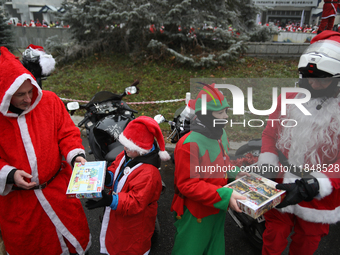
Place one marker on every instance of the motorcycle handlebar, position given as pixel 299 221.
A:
pixel 135 83
pixel 128 109
pixel 83 121
pixel 134 111
pixel 172 123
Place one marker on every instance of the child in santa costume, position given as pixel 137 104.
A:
pixel 130 215
pixel 36 132
pixel 200 201
pixel 312 199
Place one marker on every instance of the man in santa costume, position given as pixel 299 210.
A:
pixel 310 151
pixel 200 201
pixel 36 131
pixel 329 12
pixel 136 184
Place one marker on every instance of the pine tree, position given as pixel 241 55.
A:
pixel 196 32
pixel 6 34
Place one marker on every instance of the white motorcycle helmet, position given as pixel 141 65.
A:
pixel 321 60
pixel 38 62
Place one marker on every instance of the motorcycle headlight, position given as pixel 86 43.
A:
pixel 127 113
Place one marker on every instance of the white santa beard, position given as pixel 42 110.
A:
pixel 313 133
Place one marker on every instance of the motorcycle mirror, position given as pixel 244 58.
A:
pixel 159 118
pixel 72 106
pixel 131 90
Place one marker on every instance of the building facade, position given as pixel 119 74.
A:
pixel 27 10
pixel 285 12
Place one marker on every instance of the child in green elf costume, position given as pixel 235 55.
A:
pixel 202 168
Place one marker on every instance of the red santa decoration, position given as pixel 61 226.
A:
pixel 329 11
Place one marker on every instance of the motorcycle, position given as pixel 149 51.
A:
pixel 180 125
pixel 106 117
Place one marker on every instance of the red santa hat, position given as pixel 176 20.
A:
pixel 139 136
pixel 322 55
pixel 12 75
pixel 46 61
pixel 327 35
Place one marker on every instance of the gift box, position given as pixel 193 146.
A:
pixel 260 192
pixel 87 181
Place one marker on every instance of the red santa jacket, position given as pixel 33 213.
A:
pixel 324 208
pixel 39 221
pixel 129 228
pixel 329 9
pixel 202 168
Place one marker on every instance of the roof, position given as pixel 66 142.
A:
pixel 48 8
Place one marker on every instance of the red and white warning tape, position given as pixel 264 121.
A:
pixel 145 102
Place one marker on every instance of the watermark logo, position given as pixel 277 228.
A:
pixel 238 100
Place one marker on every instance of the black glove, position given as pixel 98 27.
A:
pixel 301 190
pixel 106 200
pixel 107 178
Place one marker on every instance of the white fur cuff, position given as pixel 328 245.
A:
pixel 131 145
pixel 268 158
pixel 164 155
pixel 325 185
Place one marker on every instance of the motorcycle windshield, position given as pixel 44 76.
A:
pixel 179 111
pixel 103 96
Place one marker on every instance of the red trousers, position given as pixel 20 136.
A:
pixel 326 24
pixel 305 239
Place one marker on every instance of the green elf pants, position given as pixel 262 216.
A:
pixel 193 238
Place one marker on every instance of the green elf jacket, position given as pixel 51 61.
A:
pixel 202 168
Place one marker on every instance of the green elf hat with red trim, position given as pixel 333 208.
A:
pixel 215 99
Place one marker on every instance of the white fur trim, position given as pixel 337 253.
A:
pixel 325 185
pixel 4 187
pixel 59 225
pixel 46 61
pixel 103 230
pixel 290 178
pixel 11 91
pixel 29 148
pixel 314 215
pixel 47 64
pixel 268 158
pixel 131 145
pixel 74 153
pixel 164 155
